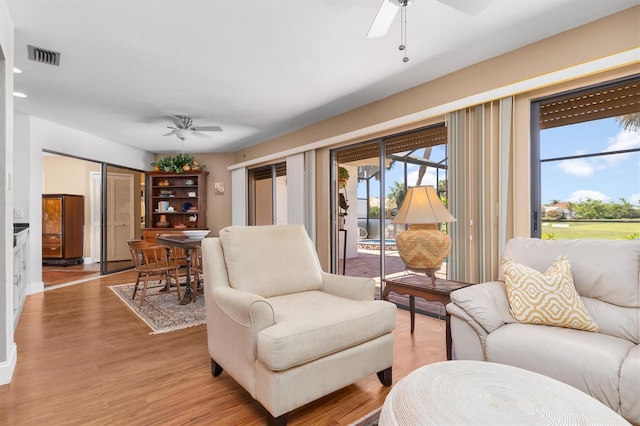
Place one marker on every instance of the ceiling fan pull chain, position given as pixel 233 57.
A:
pixel 403 30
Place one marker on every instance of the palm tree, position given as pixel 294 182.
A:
pixel 630 122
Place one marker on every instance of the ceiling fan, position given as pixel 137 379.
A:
pixel 184 127
pixel 389 9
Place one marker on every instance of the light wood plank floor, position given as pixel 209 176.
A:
pixel 85 359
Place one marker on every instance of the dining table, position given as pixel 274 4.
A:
pixel 187 244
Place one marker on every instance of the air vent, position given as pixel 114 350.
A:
pixel 43 55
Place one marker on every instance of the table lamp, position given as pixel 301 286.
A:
pixel 423 247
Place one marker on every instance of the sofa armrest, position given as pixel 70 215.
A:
pixel 484 305
pixel 355 288
pixel 246 309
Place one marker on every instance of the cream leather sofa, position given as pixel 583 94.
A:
pixel 286 331
pixel 605 365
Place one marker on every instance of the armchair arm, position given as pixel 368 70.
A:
pixel 246 309
pixel 355 288
pixel 483 306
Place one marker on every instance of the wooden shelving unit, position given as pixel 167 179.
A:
pixel 176 197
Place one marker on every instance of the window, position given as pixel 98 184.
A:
pixel 586 163
pixel 268 195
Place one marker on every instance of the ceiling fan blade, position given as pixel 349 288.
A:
pixel 177 121
pixel 208 128
pixel 383 19
pixel 173 132
pixel 201 135
pixel 471 8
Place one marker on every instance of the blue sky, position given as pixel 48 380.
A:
pixel 603 178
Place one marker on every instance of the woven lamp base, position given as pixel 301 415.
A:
pixel 423 247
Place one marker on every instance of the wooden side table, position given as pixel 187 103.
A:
pixel 416 285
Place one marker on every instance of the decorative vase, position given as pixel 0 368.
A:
pixel 163 222
pixel 424 247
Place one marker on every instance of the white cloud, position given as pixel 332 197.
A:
pixel 622 141
pixel 634 199
pixel 583 194
pixel 428 179
pixel 578 167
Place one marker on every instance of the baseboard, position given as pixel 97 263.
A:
pixel 88 260
pixel 6 368
pixel 37 287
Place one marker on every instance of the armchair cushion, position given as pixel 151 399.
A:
pixel 546 299
pixel 313 324
pixel 283 260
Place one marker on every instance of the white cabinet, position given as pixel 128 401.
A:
pixel 20 279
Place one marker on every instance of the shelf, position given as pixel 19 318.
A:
pixel 159 197
pixel 175 186
pixel 176 193
pixel 191 212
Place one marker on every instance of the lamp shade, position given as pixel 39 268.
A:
pixel 422 205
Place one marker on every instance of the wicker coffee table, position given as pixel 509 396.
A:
pixel 478 392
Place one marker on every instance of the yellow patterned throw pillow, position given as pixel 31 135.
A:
pixel 547 299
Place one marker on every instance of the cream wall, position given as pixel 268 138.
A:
pixel 22 171
pixel 526 72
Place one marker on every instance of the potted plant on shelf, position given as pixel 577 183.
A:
pixel 178 164
pixel 343 177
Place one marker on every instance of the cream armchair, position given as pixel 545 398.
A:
pixel 286 331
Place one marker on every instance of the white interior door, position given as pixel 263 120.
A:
pixel 120 215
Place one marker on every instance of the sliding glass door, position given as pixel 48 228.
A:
pixel 370 180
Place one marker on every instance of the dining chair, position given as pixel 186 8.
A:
pixel 196 269
pixel 153 261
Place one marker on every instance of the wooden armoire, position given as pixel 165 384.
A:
pixel 62 229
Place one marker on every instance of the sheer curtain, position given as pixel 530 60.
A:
pixel 480 189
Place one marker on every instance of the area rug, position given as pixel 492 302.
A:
pixel 53 277
pixel 370 419
pixel 161 311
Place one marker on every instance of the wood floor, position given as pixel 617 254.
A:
pixel 85 359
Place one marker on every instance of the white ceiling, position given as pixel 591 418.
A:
pixel 258 68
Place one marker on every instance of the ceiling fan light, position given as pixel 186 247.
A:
pixel 182 133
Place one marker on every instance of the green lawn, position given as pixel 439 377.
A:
pixel 597 230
